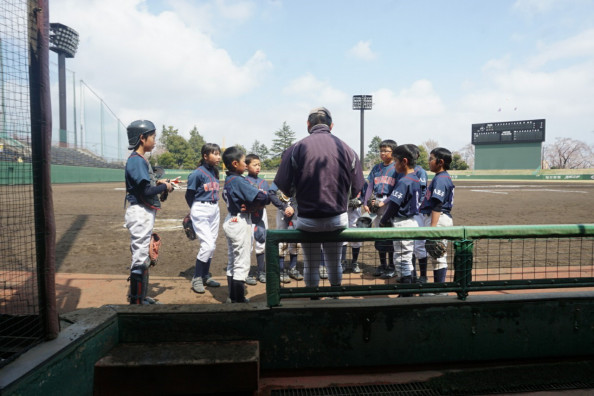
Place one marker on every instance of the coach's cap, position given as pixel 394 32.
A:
pixel 322 111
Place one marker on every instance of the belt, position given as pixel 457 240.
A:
pixel 381 195
pixel 207 202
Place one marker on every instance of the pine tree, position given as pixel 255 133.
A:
pixel 285 137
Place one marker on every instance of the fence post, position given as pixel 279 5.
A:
pixel 272 271
pixel 463 266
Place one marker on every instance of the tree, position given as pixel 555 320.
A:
pixel 423 160
pixel 260 150
pixel 196 142
pixel 567 153
pixel 183 155
pixel 166 133
pixel 285 137
pixel 430 144
pixel 167 161
pixel 467 153
pixel 373 155
pixel 457 162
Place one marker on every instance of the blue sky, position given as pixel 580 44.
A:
pixel 238 69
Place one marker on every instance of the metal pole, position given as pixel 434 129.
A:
pixel 62 95
pixel 74 107
pixel 101 127
pixel 362 158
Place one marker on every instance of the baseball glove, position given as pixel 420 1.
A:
pixel 154 247
pixel 189 227
pixel 435 249
pixel 363 222
pixel 355 203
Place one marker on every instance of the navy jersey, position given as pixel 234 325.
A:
pixel 382 179
pixel 238 191
pixel 406 195
pixel 260 184
pixel 138 175
pixel 422 175
pixel 203 184
pixel 442 189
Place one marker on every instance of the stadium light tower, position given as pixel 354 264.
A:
pixel 362 102
pixel 63 41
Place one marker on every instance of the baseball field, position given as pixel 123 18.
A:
pixel 91 238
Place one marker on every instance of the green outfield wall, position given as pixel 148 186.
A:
pixel 20 173
pixel 507 156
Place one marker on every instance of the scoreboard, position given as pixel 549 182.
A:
pixel 529 131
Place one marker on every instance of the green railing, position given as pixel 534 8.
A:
pixel 482 258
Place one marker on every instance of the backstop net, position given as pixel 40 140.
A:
pixel 21 313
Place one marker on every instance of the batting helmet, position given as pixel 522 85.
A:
pixel 363 222
pixel 136 130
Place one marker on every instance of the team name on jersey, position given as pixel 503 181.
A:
pixel 211 186
pixel 441 193
pixel 384 180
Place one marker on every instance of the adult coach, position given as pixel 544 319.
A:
pixel 323 172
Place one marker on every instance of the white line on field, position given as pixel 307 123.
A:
pixel 491 191
pixel 502 191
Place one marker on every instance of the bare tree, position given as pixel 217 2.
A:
pixel 567 153
pixel 467 153
pixel 430 144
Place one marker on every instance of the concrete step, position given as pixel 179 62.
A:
pixel 179 368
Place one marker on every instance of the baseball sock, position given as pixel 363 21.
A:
pixel 199 270
pixel 382 257
pixel 281 264
pixel 423 266
pixel 391 260
pixel 355 252
pixel 238 291
pixel 261 263
pixel 135 288
pixel 439 276
pixel 293 261
pixel 230 287
pixel 206 269
pixel 343 253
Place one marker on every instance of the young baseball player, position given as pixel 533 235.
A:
pixel 286 217
pixel 381 182
pixel 419 253
pixel 437 204
pixel 242 200
pixel 142 195
pixel 202 196
pixel 253 167
pixel 354 212
pixel 401 209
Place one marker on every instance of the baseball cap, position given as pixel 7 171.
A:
pixel 321 110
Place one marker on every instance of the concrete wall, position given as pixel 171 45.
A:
pixel 326 334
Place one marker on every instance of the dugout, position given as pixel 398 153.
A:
pixel 508 145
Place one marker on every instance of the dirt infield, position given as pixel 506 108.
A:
pixel 91 238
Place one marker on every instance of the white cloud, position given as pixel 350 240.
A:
pixel 236 10
pixel 578 46
pixel 310 88
pixel 362 50
pixel 156 56
pixel 419 100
